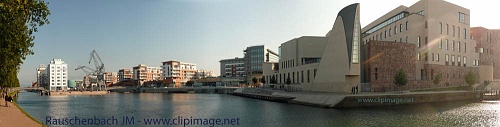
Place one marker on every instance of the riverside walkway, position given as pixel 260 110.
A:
pixel 14 117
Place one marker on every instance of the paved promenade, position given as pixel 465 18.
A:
pixel 13 117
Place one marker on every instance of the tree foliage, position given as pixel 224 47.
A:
pixel 288 80
pixel 400 78
pixel 254 80
pixel 273 80
pixel 470 78
pixel 19 19
pixel 437 79
pixel 263 79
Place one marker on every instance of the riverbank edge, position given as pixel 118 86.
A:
pixel 24 112
pixel 338 100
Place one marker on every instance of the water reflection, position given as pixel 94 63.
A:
pixel 254 112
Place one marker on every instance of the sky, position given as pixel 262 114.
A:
pixel 126 33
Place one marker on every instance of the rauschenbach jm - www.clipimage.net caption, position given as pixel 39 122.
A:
pixel 131 120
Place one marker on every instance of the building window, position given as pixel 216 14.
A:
pixel 308 75
pixel 390 29
pixel 440 28
pixel 432 56
pixel 461 17
pixel 458 61
pixel 453 30
pixel 395 30
pixel 385 34
pixel 465 61
pixel 440 45
pixel 376 73
pixel 422 72
pixel 425 41
pixel 400 27
pixel 437 57
pixel 452 60
pixel 315 72
pixel 418 41
pixel 452 45
pixel 401 40
pixel 465 33
pixel 446 59
pixel 481 50
pixel 302 76
pixel 458 46
pixel 425 56
pixel 465 47
pixel 447 32
pixel 407 23
pixel 458 32
pixel 446 44
pixel 418 56
pixel 355 50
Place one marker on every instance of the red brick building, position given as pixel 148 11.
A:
pixel 384 59
pixel 488 44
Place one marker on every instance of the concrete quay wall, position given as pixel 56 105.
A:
pixel 78 93
pixel 374 100
pixel 340 100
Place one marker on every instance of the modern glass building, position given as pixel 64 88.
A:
pixel 256 55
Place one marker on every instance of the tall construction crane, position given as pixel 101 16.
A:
pixel 84 69
pixel 99 69
pixel 89 72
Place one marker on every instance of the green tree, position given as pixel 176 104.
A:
pixel 189 83
pixel 400 78
pixel 263 80
pixel 273 80
pixel 288 80
pixel 437 79
pixel 470 78
pixel 19 19
pixel 254 80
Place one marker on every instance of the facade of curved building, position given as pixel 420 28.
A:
pixel 323 64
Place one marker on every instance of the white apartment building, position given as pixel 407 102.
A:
pixel 56 75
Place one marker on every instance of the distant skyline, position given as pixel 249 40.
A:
pixel 127 33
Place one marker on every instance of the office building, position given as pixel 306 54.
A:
pixel 55 76
pixel 110 78
pixel 143 73
pixel 254 57
pixel 39 71
pixel 488 43
pixel 125 74
pixel 322 64
pixel 178 73
pixel 440 32
pixel 233 69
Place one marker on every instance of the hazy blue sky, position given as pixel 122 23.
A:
pixel 126 33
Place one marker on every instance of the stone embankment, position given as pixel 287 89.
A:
pixel 342 100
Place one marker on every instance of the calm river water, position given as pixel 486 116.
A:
pixel 252 112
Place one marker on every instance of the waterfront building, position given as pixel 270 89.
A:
pixel 204 74
pixel 55 75
pixel 110 78
pixel 233 69
pixel 322 64
pixel 178 73
pixel 254 57
pixel 143 73
pixel 125 74
pixel 488 43
pixel 39 71
pixel 440 32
